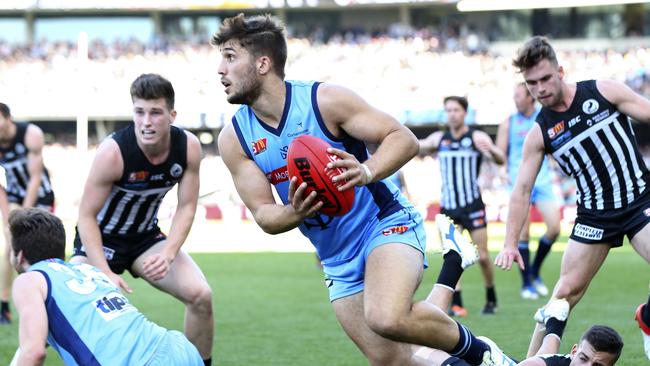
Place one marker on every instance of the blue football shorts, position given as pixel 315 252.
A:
pixel 542 193
pixel 346 277
pixel 175 350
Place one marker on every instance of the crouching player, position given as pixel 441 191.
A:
pixel 76 309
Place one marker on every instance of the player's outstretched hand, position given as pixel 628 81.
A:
pixel 156 266
pixel 119 282
pixel 303 206
pixel 355 174
pixel 508 255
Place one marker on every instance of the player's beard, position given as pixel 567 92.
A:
pixel 550 102
pixel 250 90
pixel 556 97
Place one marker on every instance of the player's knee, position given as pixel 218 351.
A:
pixel 484 260
pixel 200 297
pixel 386 325
pixel 552 232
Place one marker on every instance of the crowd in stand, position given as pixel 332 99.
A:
pixel 407 73
pixel 407 76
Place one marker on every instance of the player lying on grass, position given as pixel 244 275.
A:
pixel 76 309
pixel 600 345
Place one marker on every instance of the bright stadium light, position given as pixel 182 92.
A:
pixel 488 5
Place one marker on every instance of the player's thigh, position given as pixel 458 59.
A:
pixel 473 219
pixel 393 273
pixel 580 264
pixel 78 259
pixel 641 242
pixel 379 350
pixel 184 280
pixel 175 350
pixel 550 211
pixel 480 238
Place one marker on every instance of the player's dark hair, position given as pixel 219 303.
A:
pixel 460 100
pixel 534 51
pixel 153 86
pixel 5 111
pixel 604 339
pixel 260 35
pixel 38 233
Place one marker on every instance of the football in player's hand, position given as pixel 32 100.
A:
pixel 307 160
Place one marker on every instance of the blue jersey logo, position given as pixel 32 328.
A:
pixel 112 305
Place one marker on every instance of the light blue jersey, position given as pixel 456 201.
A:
pixel 396 179
pixel 267 146
pixel 91 323
pixel 337 239
pixel 519 127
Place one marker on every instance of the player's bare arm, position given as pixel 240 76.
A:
pixel 532 157
pixel 4 205
pixel 625 99
pixel 255 190
pixel 550 346
pixel 105 170
pixel 29 292
pixel 34 142
pixel 533 361
pixel 345 112
pixel 502 142
pixel 485 145
pixel 502 135
pixel 431 143
pixel 157 266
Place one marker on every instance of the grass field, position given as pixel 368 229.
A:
pixel 272 309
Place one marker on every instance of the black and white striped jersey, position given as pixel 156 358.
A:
pixel 460 162
pixel 132 205
pixel 593 142
pixel 556 360
pixel 14 159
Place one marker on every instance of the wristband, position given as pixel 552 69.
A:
pixel 368 173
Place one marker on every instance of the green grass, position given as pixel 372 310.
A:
pixel 273 309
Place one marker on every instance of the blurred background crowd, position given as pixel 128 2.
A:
pixel 408 76
pixel 59 64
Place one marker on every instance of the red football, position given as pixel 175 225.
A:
pixel 307 160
